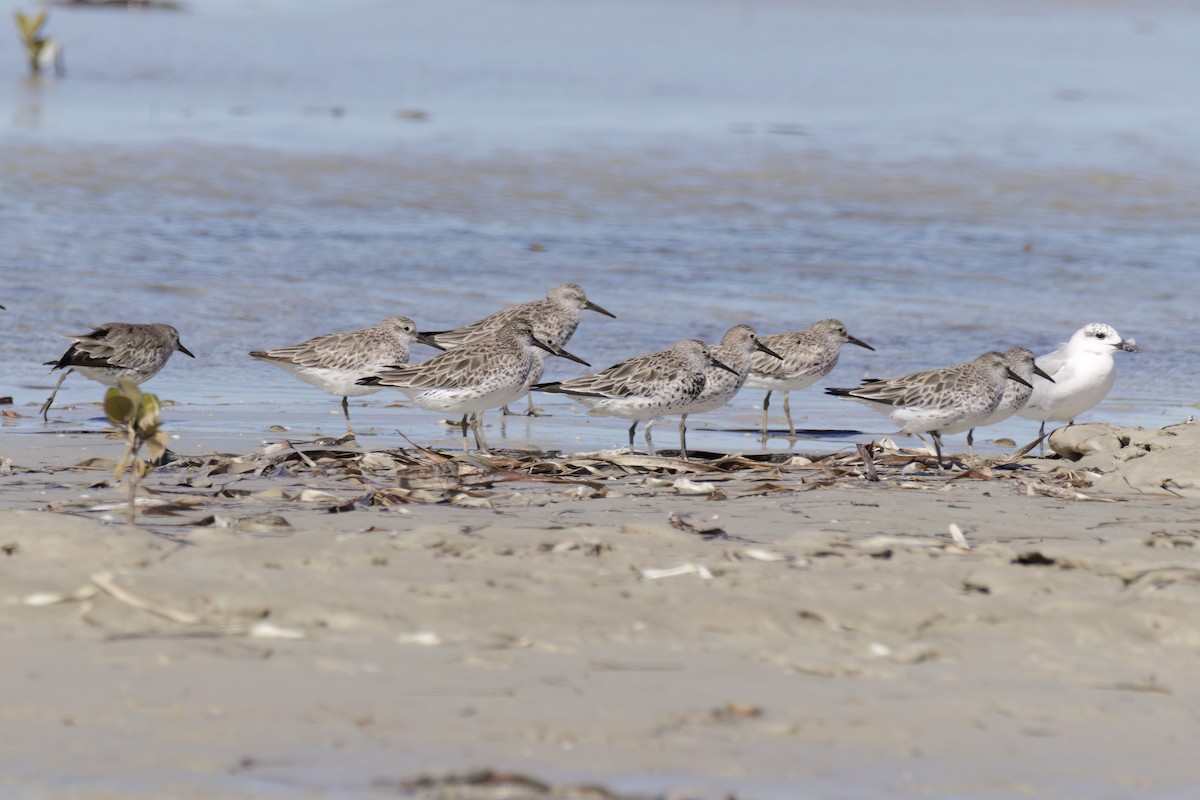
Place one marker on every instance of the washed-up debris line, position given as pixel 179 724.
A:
pixel 335 476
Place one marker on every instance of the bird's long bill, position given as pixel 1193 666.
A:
pixel 559 352
pixel 427 338
pixel 858 342
pixel 728 368
pixel 598 309
pixel 1041 373
pixel 760 346
pixel 1129 346
pixel 179 346
pixel 1012 376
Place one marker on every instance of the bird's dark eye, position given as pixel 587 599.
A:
pixel 1100 335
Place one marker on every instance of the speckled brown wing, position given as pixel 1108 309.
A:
pixel 450 370
pixel 803 354
pixel 932 388
pixel 487 326
pixel 628 378
pixel 341 351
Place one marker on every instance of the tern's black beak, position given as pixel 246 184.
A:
pixel 427 339
pixel 558 352
pixel 728 368
pixel 1012 376
pixel 760 346
pixel 179 346
pixel 1129 346
pixel 1041 373
pixel 598 309
pixel 858 342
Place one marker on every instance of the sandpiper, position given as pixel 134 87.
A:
pixel 334 361
pixel 938 401
pixel 117 350
pixel 644 387
pixel 805 357
pixel 473 377
pixel 1015 394
pixel 736 350
pixel 554 319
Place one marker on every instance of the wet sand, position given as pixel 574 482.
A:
pixel 825 636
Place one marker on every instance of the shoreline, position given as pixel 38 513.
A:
pixel 598 618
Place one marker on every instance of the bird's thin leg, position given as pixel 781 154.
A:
pixel 766 405
pixel 649 441
pixel 477 427
pixel 632 428
pixel 504 412
pixel 683 437
pixel 787 409
pixel 346 413
pixel 971 446
pixel 937 446
pixel 1042 437
pixel 46 405
pixel 463 425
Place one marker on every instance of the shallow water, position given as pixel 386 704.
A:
pixel 946 179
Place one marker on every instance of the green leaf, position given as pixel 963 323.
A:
pixel 29 26
pixel 118 407
pixel 148 416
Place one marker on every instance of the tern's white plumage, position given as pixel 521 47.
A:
pixel 1083 373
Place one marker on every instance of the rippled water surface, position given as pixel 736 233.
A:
pixel 946 178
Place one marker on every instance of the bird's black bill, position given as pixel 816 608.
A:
pixel 1041 373
pixel 179 346
pixel 726 367
pixel 1012 376
pixel 557 388
pixel 427 339
pixel 1129 346
pixel 760 346
pixel 598 309
pixel 559 352
pixel 858 342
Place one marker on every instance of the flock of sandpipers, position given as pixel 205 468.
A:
pixel 495 361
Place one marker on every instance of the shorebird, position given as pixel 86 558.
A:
pixel 334 361
pixel 644 387
pixel 1083 372
pixel 736 350
pixel 805 357
pixel 117 350
pixel 1014 395
pixel 554 322
pixel 938 401
pixel 473 377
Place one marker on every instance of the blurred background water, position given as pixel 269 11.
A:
pixel 945 177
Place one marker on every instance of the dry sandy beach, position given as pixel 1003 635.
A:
pixel 730 628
